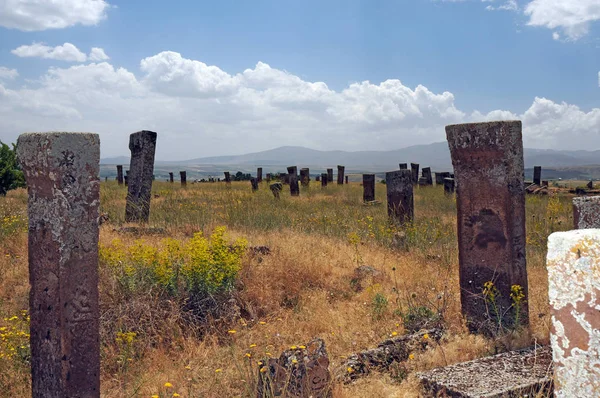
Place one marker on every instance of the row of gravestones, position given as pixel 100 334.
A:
pixel 62 171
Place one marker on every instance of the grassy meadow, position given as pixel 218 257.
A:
pixel 188 314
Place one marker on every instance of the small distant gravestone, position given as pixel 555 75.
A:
pixel 61 170
pixel 171 179
pixel 293 178
pixel 545 183
pixel 304 177
pixel 318 178
pixel 324 180
pixel 254 184
pixel 227 177
pixel 414 167
pixel 269 178
pixel 400 195
pixel 183 177
pixel 120 174
pixel 276 189
pixel 142 146
pixel 259 174
pixel 126 178
pixel 105 179
pixel 346 177
pixel 590 184
pixel 284 178
pixel 448 186
pixel 329 175
pixel 586 212
pixel 427 175
pixel 404 166
pixel 340 175
pixel 368 187
pixel 537 175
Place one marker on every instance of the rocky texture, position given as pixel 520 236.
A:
pixel 368 187
pixel 586 212
pixel 340 175
pixel 293 180
pixel 414 167
pixel 141 168
pixel 62 170
pixel 300 372
pixel 400 203
pixel 490 198
pixel 120 174
pixel 523 373
pixel 573 264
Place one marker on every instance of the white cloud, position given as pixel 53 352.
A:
pixel 66 52
pixel 34 15
pixel 573 17
pixel 556 35
pixel 201 110
pixel 509 5
pixel 8 74
pixel 98 54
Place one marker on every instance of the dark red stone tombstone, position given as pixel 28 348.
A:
pixel 142 146
pixel 427 175
pixel 329 175
pixel 120 174
pixel 490 198
pixel 404 166
pixel 293 179
pixel 171 179
pixel 183 178
pixel 62 171
pixel 324 179
pixel 259 174
pixel 227 177
pixel 304 177
pixel 400 196
pixel 537 175
pixel 340 176
pixel 368 187
pixel 414 167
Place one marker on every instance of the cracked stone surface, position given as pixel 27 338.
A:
pixel 586 212
pixel 142 146
pixel 400 195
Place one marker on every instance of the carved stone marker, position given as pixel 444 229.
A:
pixel 427 175
pixel 324 179
pixel 330 175
pixel 590 184
pixel 142 146
pixel 545 183
pixel 293 179
pixel 254 183
pixel 183 177
pixel 276 189
pixel 490 199
pixel 404 166
pixel 304 177
pixel 269 177
pixel 62 170
pixel 368 187
pixel 573 262
pixel 340 176
pixel 448 186
pixel 227 177
pixel 346 177
pixel 586 212
pixel 120 174
pixel 126 178
pixel 318 178
pixel 259 174
pixel 414 167
pixel 171 179
pixel 400 195
pixel 537 175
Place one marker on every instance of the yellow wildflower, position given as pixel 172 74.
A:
pixel 176 395
pixel 252 345
pixel 218 370
pixel 350 370
pixel 411 356
pixel 394 334
pixel 168 385
pixel 425 336
pixel 231 331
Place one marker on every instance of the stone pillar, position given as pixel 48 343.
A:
pixel 404 166
pixel 573 262
pixel 318 178
pixel 293 179
pixel 142 146
pixel 171 179
pixel 490 199
pixel 62 171
pixel 427 176
pixel 414 167
pixel 346 177
pixel 586 212
pixel 284 178
pixel 259 174
pixel 120 174
pixel 400 196
pixel 227 177
pixel 537 175
pixel 254 183
pixel 340 176
pixel 448 186
pixel 368 187
pixel 329 175
pixel 268 177
pixel 183 178
pixel 126 178
pixel 304 177
pixel 324 179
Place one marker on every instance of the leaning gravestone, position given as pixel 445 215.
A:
pixel 293 179
pixel 276 189
pixel 340 175
pixel 414 167
pixel 120 174
pixel 490 198
pixel 586 212
pixel 142 146
pixel 368 187
pixel 183 177
pixel 573 264
pixel 400 196
pixel 427 176
pixel 61 170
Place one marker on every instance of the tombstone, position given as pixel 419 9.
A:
pixel 304 177
pixel 293 179
pixel 126 178
pixel 573 286
pixel 259 174
pixel 340 176
pixel 61 170
pixel 544 183
pixel 427 176
pixel 404 166
pixel 448 186
pixel 414 167
pixel 439 177
pixel 268 178
pixel 254 183
pixel 276 189
pixel 537 175
pixel 346 177
pixel 329 175
pixel 142 146
pixel 368 187
pixel 105 179
pixel 227 177
pixel 171 177
pixel 590 184
pixel 318 178
pixel 120 174
pixel 423 181
pixel 324 179
pixel 400 196
pixel 586 212
pixel 284 178
pixel 183 178
pixel 490 199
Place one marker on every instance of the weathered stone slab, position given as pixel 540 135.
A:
pixel 523 373
pixel 324 179
pixel 183 177
pixel 346 177
pixel 304 177
pixel 293 179
pixel 120 174
pixel 259 174
pixel 254 184
pixel 62 171
pixel 227 177
pixel 126 177
pixel 537 175
pixel 340 175
pixel 368 187
pixel 141 168
pixel 171 177
pixel 404 166
pixel 449 186
pixel 318 178
pixel 490 197
pixel 573 264
pixel 414 167
pixel 276 189
pixel 586 212
pixel 427 175
pixel 329 175
pixel 400 196
pixel 269 178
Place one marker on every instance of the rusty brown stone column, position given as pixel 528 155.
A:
pixel 227 177
pixel 329 175
pixel 171 179
pixel 490 199
pixel 304 177
pixel 62 171
pixel 537 175
pixel 142 146
pixel 120 174
pixel 183 177
pixel 368 187
pixel 427 176
pixel 404 166
pixel 293 180
pixel 414 167
pixel 324 179
pixel 586 212
pixel 340 175
pixel 400 196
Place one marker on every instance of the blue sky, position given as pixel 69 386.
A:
pixel 534 60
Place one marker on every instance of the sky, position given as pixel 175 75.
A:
pixel 232 77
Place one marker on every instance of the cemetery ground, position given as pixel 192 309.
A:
pixel 285 274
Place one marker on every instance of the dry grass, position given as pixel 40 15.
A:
pixel 302 290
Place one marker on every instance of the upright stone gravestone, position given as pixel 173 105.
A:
pixel 414 167
pixel 427 175
pixel 400 195
pixel 254 183
pixel 142 146
pixel 183 178
pixel 573 262
pixel 404 166
pixel 62 171
pixel 126 178
pixel 537 175
pixel 329 175
pixel 268 178
pixel 488 168
pixel 259 174
pixel 324 180
pixel 346 177
pixel 171 179
pixel 448 186
pixel 304 177
pixel 586 212
pixel 120 174
pixel 227 177
pixel 368 187
pixel 318 178
pixel 293 178
pixel 340 176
